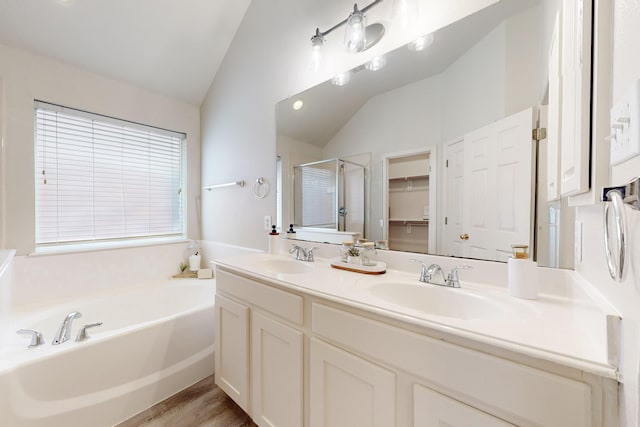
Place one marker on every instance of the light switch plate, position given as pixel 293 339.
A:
pixel 625 126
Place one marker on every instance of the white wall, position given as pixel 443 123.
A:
pixel 475 99
pixel 2 193
pixel 268 61
pixel 27 77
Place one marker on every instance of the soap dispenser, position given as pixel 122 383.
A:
pixel 522 274
pixel 274 241
pixel 291 233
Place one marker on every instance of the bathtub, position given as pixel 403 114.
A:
pixel 154 342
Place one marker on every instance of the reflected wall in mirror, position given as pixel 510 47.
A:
pixel 457 103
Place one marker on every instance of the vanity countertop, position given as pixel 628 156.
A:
pixel 571 332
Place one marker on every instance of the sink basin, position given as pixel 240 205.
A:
pixel 439 301
pixel 284 266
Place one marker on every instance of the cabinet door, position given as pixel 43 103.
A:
pixel 432 409
pixel 346 390
pixel 576 96
pixel 232 350
pixel 277 373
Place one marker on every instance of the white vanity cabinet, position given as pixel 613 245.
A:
pixel 259 351
pixel 292 358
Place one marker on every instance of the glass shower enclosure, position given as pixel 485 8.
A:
pixel 330 195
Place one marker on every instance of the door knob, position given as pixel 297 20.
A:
pixel 464 236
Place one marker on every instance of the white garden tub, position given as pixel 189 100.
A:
pixel 154 342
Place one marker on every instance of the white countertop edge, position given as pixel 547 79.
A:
pixel 600 369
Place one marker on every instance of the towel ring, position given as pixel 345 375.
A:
pixel 615 264
pixel 261 188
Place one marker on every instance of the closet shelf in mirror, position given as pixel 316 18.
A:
pixel 407 178
pixel 409 221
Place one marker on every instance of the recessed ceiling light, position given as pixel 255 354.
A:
pixel 298 104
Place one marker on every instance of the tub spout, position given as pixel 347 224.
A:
pixel 64 332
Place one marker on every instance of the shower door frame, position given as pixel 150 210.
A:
pixel 338 162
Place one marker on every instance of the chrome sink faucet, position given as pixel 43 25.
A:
pixel 452 278
pixel 427 274
pixel 64 332
pixel 302 254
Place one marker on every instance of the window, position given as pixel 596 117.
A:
pixel 100 179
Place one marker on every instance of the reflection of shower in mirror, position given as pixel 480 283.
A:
pixel 329 194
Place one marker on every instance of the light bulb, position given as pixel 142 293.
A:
pixel 376 63
pixel 342 79
pixel 317 41
pixel 405 12
pixel 354 36
pixel 316 59
pixel 421 43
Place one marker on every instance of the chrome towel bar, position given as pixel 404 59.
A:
pixel 228 184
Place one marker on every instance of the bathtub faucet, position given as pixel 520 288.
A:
pixel 64 332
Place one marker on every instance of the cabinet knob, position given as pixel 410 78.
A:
pixel 464 236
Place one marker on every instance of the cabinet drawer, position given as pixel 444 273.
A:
pixel 496 385
pixel 286 305
pixel 432 409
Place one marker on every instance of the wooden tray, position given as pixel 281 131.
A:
pixel 186 275
pixel 379 268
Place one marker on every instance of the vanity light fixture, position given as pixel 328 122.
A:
pixel 358 36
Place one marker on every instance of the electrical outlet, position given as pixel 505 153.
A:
pixel 267 222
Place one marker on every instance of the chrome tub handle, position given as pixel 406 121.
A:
pixel 82 334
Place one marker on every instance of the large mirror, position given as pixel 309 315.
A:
pixel 434 130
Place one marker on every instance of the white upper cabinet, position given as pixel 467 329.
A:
pixel 554 125
pixel 576 97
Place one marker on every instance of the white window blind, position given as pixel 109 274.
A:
pixel 99 178
pixel 315 190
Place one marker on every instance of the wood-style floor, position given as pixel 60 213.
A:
pixel 201 405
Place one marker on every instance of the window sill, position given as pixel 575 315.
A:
pixel 103 246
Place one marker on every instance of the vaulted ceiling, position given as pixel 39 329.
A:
pixel 169 47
